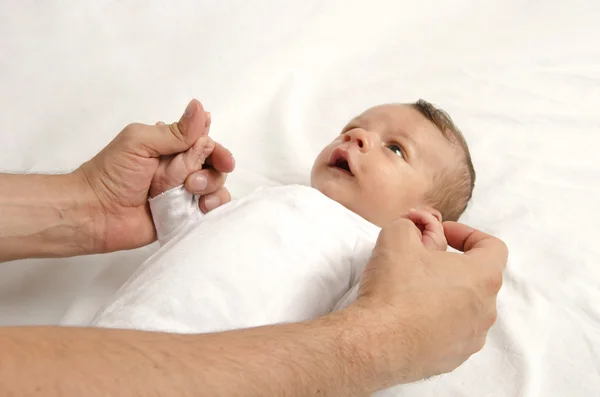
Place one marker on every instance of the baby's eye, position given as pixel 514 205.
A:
pixel 396 149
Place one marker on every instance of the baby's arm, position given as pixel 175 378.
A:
pixel 432 236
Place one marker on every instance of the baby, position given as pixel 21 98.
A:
pixel 292 253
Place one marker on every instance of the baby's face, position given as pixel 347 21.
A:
pixel 384 163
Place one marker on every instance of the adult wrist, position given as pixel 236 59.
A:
pixel 85 214
pixel 48 216
pixel 377 340
pixel 371 348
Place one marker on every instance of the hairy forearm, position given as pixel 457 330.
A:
pixel 45 216
pixel 315 358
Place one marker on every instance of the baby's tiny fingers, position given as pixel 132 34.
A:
pixel 433 232
pixel 418 217
pixel 426 220
pixel 196 156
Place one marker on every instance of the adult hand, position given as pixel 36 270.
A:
pixel 120 176
pixel 432 309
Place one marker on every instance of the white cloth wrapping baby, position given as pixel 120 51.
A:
pixel 280 254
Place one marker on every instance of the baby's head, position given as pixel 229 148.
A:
pixel 395 157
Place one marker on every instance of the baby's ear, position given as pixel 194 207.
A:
pixel 432 211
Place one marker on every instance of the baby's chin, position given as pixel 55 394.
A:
pixel 336 192
pixel 346 197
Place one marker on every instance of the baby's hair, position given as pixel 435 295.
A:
pixel 453 189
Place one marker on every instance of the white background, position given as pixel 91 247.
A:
pixel 521 79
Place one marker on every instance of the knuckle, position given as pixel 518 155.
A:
pixel 503 248
pixel 479 344
pixel 133 127
pixel 493 283
pixel 174 129
pixel 133 131
pixel 491 320
pixel 486 322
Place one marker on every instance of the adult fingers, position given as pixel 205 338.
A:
pixel 221 159
pixel 458 235
pixel 211 201
pixel 399 236
pixel 205 181
pixel 480 246
pixel 165 139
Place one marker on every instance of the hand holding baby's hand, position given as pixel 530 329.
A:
pixel 432 231
pixel 173 170
pixel 198 168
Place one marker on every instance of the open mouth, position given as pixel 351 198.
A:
pixel 339 160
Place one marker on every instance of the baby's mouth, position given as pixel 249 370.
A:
pixel 339 160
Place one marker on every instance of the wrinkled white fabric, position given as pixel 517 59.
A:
pixel 280 254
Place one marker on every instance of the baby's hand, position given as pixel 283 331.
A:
pixel 173 170
pixel 432 231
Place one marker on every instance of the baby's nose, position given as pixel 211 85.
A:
pixel 359 137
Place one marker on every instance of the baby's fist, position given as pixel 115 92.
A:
pixel 432 231
pixel 174 170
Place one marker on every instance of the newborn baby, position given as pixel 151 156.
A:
pixel 292 253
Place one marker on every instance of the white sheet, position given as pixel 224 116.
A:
pixel 522 79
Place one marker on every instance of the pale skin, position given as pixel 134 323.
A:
pixel 394 155
pixel 105 210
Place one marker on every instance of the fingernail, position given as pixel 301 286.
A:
pixel 198 183
pixel 190 109
pixel 211 202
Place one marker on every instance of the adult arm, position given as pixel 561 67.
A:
pixel 395 332
pixel 47 216
pixel 325 357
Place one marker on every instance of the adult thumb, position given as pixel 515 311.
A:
pixel 482 247
pixel 166 139
pixel 400 235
